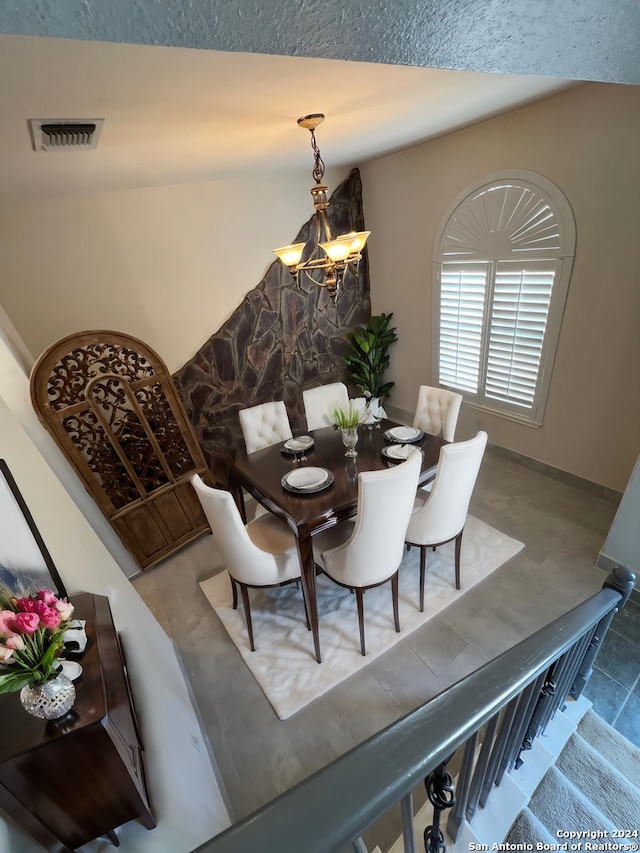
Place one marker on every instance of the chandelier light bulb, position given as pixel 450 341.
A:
pixel 338 252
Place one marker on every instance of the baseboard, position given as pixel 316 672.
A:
pixel 596 489
pixel 203 732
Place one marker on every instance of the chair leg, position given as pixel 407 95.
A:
pixel 306 612
pixel 234 590
pixel 244 592
pixel 394 597
pixel 458 549
pixel 360 602
pixel 423 571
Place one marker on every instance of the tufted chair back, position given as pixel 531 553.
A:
pixel 437 411
pixel 320 402
pixel 264 425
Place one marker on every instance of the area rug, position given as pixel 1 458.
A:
pixel 284 664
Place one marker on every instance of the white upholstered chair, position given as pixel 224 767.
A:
pixel 264 425
pixel 439 515
pixel 320 402
pixel 437 411
pixel 261 553
pixel 367 552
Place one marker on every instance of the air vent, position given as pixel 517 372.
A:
pixel 64 134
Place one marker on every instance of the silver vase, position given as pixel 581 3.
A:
pixel 49 700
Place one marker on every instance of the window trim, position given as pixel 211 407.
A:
pixel 564 257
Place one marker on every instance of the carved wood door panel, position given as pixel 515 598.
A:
pixel 109 402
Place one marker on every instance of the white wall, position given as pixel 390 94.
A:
pixel 165 264
pixel 185 797
pixel 586 141
pixel 622 545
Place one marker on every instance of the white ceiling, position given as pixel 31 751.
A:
pixel 177 115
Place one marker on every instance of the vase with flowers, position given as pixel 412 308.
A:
pixel 31 642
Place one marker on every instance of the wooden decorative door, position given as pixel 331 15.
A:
pixel 109 402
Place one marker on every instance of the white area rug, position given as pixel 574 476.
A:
pixel 284 664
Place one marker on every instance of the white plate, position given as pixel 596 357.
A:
pixel 306 478
pixel 298 444
pixel 318 481
pixel 71 669
pixel 403 433
pixel 399 452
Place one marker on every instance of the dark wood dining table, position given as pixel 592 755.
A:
pixel 260 474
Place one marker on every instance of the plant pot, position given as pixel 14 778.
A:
pixel 373 413
pixel 49 700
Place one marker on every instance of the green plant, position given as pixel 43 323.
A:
pixel 368 355
pixel 346 418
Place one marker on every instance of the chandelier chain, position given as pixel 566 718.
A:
pixel 318 166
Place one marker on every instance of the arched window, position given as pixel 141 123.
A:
pixel 503 258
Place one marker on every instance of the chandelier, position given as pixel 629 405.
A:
pixel 330 256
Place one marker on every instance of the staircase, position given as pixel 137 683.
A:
pixel 594 786
pixel 580 776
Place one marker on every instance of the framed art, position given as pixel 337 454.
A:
pixel 25 563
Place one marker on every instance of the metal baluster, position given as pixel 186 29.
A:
pixel 623 580
pixel 545 705
pixel 585 665
pixel 521 743
pixel 528 698
pixel 544 699
pixel 556 675
pixel 408 829
pixel 481 768
pixel 577 653
pixel 359 846
pixel 439 785
pixel 456 815
pixel 508 716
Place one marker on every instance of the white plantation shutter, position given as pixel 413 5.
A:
pixel 463 290
pixel 521 300
pixel 503 262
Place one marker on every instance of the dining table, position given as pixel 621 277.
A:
pixel 306 513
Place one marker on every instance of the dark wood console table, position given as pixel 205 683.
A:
pixel 68 781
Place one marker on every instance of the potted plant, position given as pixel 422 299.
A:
pixel 368 358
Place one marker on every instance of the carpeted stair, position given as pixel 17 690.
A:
pixel 593 785
pixel 580 775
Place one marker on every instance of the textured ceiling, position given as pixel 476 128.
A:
pixel 579 39
pixel 387 75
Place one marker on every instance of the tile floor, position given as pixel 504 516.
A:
pixel 614 687
pixel 258 755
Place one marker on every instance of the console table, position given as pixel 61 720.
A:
pixel 68 781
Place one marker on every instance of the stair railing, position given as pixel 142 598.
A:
pixel 509 701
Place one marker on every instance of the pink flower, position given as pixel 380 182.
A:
pixel 64 608
pixel 48 597
pixel 49 617
pixel 26 605
pixel 5 653
pixel 15 641
pixel 27 623
pixel 7 621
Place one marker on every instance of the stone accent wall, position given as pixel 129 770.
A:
pixel 277 342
